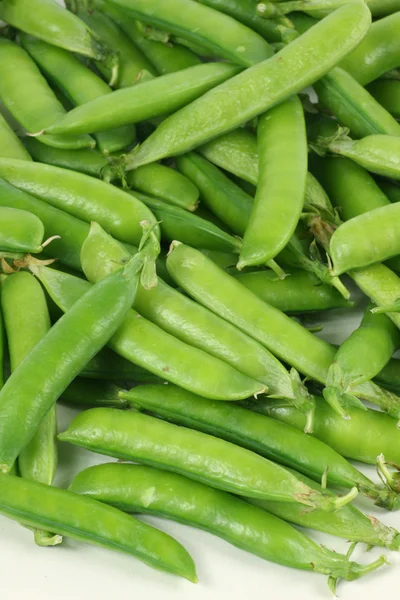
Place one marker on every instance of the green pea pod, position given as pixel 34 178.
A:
pixel 137 488
pixel 273 440
pixel 24 80
pixel 166 184
pixel 354 106
pixel 230 105
pixel 86 160
pixel 320 8
pixel 158 97
pixel 20 231
pixel 109 366
pixel 86 520
pixel 132 63
pixel 90 393
pixel 197 455
pixel 280 196
pixel 299 292
pixel 378 52
pixel 176 222
pixel 216 32
pixel 28 394
pixel 10 145
pixel 389 377
pixel 387 93
pixel 190 322
pixel 82 196
pixel 149 347
pixel 79 84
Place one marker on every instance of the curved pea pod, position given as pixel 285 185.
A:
pixel 29 394
pixel 149 347
pixel 79 84
pixel 176 222
pixel 10 144
pixel 86 160
pixel 166 184
pixel 84 519
pixel 280 195
pixel 131 435
pixel 190 322
pixel 24 80
pixel 300 292
pixel 82 196
pixel 387 93
pixel 90 393
pixel 158 97
pixel 265 436
pixel 20 231
pixel 354 106
pixel 378 52
pixel 230 105
pixel 216 32
pixel 136 488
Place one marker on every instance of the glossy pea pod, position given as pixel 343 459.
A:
pixel 109 366
pixel 192 323
pixel 158 97
pixel 280 194
pixel 79 84
pixel 361 357
pixel 26 321
pixel 90 393
pixel 166 184
pixel 82 196
pixel 85 520
pixel 10 144
pixel 320 8
pixel 131 435
pixel 216 32
pixel 137 488
pixel 276 441
pixel 20 231
pixel 20 79
pixel 387 93
pixel 231 104
pixel 151 348
pixel 30 393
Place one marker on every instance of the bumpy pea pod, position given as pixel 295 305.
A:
pixel 110 366
pixel 20 231
pixel 231 105
pixel 27 320
pixel 137 488
pixel 90 393
pixel 158 97
pixel 276 441
pixel 360 358
pixel 193 324
pixel 82 196
pixel 85 520
pixel 131 435
pixel 166 184
pixel 86 160
pixel 10 145
pixel 151 348
pixel 79 84
pixel 20 79
pixel 29 394
pixel 216 32
pixel 387 93
pixel 279 197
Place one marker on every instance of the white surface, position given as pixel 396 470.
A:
pixel 75 570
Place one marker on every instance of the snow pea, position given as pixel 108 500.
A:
pixel 131 435
pixel 218 33
pixel 26 322
pixel 387 93
pixel 149 347
pixel 79 84
pixel 20 79
pixel 86 160
pixel 20 231
pixel 166 184
pixel 154 98
pixel 110 366
pixel 10 144
pixel 91 393
pixel 29 393
pixel 274 440
pixel 279 199
pixel 137 488
pixel 230 105
pixel 82 196
pixel 86 520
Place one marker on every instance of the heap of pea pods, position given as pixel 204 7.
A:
pixel 175 215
